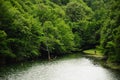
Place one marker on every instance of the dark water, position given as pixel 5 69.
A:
pixel 62 69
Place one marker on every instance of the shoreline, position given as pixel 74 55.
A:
pixel 102 59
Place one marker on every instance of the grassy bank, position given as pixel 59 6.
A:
pixel 94 52
pixel 97 54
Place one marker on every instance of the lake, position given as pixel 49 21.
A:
pixel 75 68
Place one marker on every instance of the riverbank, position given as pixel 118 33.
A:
pixel 97 55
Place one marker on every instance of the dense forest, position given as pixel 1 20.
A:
pixel 42 28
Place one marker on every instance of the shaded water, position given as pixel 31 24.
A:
pixel 62 69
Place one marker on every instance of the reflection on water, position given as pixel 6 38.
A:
pixel 69 69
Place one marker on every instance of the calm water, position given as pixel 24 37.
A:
pixel 62 69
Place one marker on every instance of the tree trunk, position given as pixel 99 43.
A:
pixel 48 53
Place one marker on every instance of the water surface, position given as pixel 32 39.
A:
pixel 62 69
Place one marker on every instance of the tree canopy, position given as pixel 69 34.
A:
pixel 31 28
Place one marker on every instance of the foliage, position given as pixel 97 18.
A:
pixel 28 28
pixel 110 34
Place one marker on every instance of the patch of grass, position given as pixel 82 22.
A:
pixel 94 52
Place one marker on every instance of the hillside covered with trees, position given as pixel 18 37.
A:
pixel 42 28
